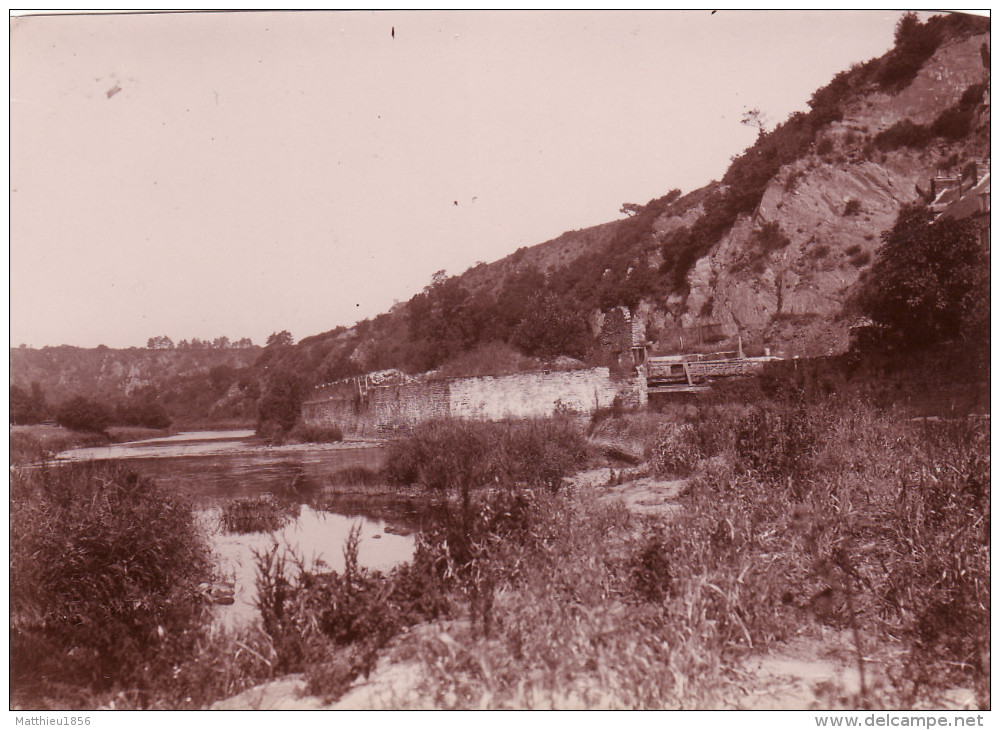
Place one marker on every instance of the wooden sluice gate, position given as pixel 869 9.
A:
pixel 693 373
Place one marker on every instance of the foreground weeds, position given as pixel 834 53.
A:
pixel 849 516
pixel 103 570
pixel 800 515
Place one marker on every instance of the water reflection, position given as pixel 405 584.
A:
pixel 316 538
pixel 213 469
pixel 209 481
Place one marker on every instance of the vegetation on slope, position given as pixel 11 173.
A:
pixel 539 304
pixel 617 264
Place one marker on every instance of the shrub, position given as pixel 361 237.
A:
pixel 650 568
pixel 82 414
pixel 538 453
pixel 929 281
pixel 903 133
pixel 332 624
pixel 820 251
pixel 256 514
pixel 852 207
pixel 458 456
pixel 27 408
pixel 915 43
pixel 316 434
pixel 860 258
pixel 953 124
pixel 676 452
pixel 552 327
pixel 103 576
pixel 775 442
pixel 770 237
pixel 792 181
pixel 280 403
pixel 144 411
pixel 357 475
pixel 35 444
pixel 491 358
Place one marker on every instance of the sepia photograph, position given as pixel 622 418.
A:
pixel 500 360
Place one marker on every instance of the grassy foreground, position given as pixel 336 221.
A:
pixel 806 510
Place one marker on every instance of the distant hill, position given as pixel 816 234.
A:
pixel 190 382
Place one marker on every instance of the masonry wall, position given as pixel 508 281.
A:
pixel 402 406
pixel 527 395
pixel 332 405
pixel 523 395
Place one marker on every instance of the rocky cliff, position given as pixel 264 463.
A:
pixel 772 251
pixel 826 211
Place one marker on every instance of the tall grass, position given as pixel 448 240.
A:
pixel 30 444
pixel 256 514
pixel 457 455
pixel 103 576
pixel 867 521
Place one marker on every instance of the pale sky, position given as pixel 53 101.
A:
pixel 198 175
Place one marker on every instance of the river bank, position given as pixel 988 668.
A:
pixel 814 667
pixel 761 554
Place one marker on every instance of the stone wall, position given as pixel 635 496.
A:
pixel 527 395
pixel 403 406
pixel 523 395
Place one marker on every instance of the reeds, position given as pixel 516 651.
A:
pixel 104 572
pixel 257 514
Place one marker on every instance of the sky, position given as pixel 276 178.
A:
pixel 238 174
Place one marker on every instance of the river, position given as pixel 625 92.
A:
pixel 213 468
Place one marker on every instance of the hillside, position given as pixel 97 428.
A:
pixel 772 251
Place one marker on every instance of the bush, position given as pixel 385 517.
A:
pixel 676 452
pixel 256 514
pixel 144 411
pixel 775 442
pixel 82 414
pixel 538 453
pixel 915 43
pixel 332 624
pixel 860 258
pixel 952 124
pixel 852 207
pixel 281 402
pixel 903 133
pixel 27 409
pixel 458 455
pixel 770 237
pixel 930 281
pixel 104 571
pixel 305 433
pixel 490 358
pixel 34 444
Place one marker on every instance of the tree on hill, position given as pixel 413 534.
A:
pixel 280 339
pixel 552 328
pixel 929 282
pixel 160 343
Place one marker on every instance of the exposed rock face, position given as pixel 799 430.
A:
pixel 831 208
